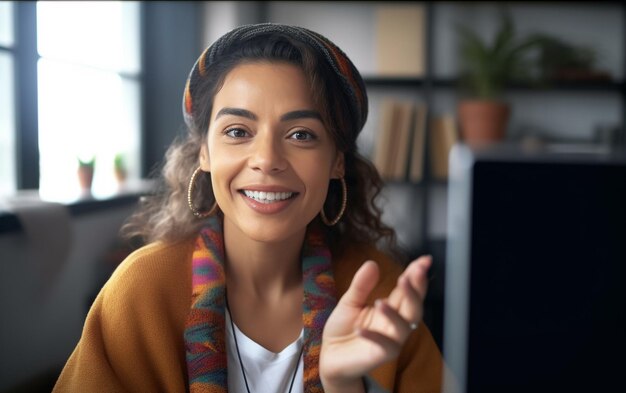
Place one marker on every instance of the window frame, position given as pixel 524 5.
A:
pixel 26 58
pixel 25 93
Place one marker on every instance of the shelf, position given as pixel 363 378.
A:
pixel 585 86
pixel 423 183
pixel 381 81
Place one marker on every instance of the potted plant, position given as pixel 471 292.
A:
pixel 85 172
pixel 561 61
pixel 487 68
pixel 121 171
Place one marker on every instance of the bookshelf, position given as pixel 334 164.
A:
pixel 417 210
pixel 435 83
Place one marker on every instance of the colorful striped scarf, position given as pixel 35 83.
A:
pixel 205 337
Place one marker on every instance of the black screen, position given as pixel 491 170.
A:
pixel 547 290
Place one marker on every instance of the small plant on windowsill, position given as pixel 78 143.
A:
pixel 85 173
pixel 121 171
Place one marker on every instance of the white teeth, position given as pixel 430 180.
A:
pixel 267 197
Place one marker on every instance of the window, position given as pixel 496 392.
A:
pixel 85 57
pixel 7 103
pixel 88 93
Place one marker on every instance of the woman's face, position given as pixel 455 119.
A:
pixel 269 153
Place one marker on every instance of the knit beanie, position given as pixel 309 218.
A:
pixel 350 79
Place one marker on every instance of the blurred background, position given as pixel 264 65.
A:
pixel 90 98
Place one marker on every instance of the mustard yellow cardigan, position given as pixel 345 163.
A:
pixel 132 340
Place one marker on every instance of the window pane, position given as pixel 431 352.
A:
pixel 85 112
pixel 7 125
pixel 100 34
pixel 6 23
pixel 87 108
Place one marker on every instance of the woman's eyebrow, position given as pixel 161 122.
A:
pixel 293 115
pixel 236 112
pixel 301 114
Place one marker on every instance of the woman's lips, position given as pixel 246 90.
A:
pixel 267 201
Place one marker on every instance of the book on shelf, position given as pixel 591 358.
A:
pixel 443 135
pixel 400 139
pixel 384 137
pixel 416 168
pixel 401 146
pixel 400 40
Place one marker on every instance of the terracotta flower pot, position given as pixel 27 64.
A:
pixel 85 177
pixel 483 122
pixel 120 175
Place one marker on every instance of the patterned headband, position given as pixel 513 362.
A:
pixel 351 81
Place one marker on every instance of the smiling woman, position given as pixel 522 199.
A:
pixel 268 267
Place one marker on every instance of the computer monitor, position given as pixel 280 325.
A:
pixel 535 289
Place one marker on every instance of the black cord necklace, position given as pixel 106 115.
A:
pixel 243 372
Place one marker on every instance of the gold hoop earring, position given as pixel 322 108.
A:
pixel 344 201
pixel 193 209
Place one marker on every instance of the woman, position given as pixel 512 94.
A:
pixel 260 272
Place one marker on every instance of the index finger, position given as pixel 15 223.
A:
pixel 363 282
pixel 416 275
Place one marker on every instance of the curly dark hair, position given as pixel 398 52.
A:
pixel 165 215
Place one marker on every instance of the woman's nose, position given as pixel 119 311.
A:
pixel 267 155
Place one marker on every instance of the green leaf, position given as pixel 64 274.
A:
pixel 88 162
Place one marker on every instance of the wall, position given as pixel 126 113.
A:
pixel 219 17
pixel 39 329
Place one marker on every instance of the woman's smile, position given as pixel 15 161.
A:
pixel 268 199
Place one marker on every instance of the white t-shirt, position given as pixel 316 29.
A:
pixel 266 371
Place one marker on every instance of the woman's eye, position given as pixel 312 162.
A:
pixel 236 133
pixel 303 136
